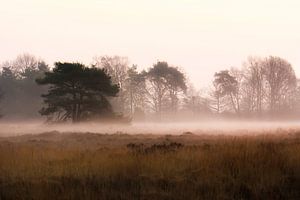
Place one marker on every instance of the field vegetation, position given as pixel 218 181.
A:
pixel 56 165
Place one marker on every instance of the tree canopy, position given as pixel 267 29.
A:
pixel 21 94
pixel 77 92
pixel 227 86
pixel 164 84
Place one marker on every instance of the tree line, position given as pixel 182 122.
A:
pixel 110 88
pixel 264 86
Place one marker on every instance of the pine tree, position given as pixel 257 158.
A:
pixel 77 93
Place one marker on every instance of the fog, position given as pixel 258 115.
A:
pixel 201 127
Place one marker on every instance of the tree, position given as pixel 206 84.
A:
pixel 135 87
pixel 1 96
pixel 216 97
pixel 263 84
pixel 281 83
pixel 163 85
pixel 227 86
pixel 297 98
pixel 10 90
pixel 237 94
pixel 18 84
pixel 195 103
pixel 24 62
pixel 254 85
pixel 156 85
pixel 117 68
pixel 176 83
pixel 77 92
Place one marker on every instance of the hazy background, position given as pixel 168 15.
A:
pixel 200 36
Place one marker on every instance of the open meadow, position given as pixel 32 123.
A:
pixel 149 100
pixel 189 165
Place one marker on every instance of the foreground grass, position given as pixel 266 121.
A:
pixel 120 166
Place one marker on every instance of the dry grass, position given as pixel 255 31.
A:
pixel 95 166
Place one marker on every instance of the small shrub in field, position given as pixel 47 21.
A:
pixel 160 148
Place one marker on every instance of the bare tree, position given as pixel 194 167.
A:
pixel 253 86
pixel 216 103
pixel 297 98
pixel 117 68
pixel 195 102
pixel 24 62
pixel 281 82
pixel 237 94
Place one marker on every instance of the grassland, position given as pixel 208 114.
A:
pixel 57 165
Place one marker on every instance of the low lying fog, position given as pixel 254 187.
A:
pixel 211 127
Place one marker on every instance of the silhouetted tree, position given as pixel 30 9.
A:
pixel 176 84
pixel 77 92
pixel 134 88
pixel 227 86
pixel 163 85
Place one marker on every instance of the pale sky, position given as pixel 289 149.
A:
pixel 200 36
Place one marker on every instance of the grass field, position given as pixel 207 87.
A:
pixel 57 165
